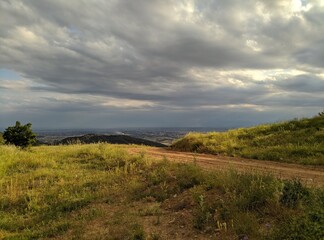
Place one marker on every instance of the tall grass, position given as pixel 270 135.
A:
pixel 100 191
pixel 296 141
pixel 1 139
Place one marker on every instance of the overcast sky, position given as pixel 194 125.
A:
pixel 146 63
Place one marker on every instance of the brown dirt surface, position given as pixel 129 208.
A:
pixel 310 175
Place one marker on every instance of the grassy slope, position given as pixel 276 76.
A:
pixel 297 141
pixel 99 191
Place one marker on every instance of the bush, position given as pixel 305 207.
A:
pixel 255 191
pixel 137 232
pixel 20 135
pixel 292 193
pixel 308 226
pixel 188 175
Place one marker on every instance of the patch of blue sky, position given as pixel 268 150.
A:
pixel 8 74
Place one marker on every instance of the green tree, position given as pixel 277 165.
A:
pixel 321 114
pixel 20 135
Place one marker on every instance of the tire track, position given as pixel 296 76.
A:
pixel 310 175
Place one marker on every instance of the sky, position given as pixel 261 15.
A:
pixel 154 63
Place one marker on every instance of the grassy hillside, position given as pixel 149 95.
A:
pixel 296 141
pixel 99 191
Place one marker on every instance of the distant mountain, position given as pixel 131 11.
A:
pixel 162 135
pixel 114 139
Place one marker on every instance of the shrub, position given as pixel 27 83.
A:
pixel 188 175
pixel 256 191
pixel 203 214
pixel 138 232
pixel 293 192
pixel 20 135
pixel 321 114
pixel 307 226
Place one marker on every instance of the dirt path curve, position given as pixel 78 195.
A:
pixel 309 175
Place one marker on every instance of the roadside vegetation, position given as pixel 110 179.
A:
pixel 99 191
pixel 296 141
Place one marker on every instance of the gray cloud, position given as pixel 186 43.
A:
pixel 161 57
pixel 303 83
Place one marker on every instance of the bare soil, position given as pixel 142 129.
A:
pixel 310 175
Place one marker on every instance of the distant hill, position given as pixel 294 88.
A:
pixel 295 141
pixel 113 139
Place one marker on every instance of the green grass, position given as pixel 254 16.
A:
pixel 296 141
pixel 100 191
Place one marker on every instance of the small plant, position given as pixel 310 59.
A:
pixel 152 210
pixel 203 214
pixel 137 232
pixel 155 236
pixel 293 192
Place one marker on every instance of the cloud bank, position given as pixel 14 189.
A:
pixel 160 63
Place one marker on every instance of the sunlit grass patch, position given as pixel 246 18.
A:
pixel 297 141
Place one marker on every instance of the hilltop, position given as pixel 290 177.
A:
pixel 113 139
pixel 295 141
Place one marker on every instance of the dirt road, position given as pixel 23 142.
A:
pixel 309 175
